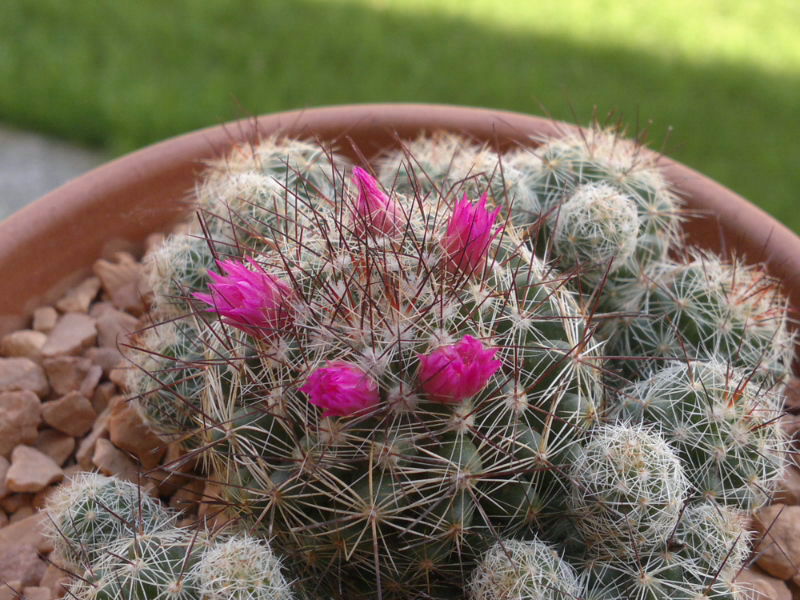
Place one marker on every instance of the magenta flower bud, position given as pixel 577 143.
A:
pixel 375 213
pixel 252 300
pixel 341 389
pixel 469 235
pixel 451 374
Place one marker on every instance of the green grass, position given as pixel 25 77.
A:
pixel 724 75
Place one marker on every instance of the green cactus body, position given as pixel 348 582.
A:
pixel 628 490
pixel 723 426
pixel 93 511
pixel 410 487
pixel 523 570
pixel 707 309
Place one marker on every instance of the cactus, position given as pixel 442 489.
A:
pixel 400 382
pixel 716 539
pixel 93 511
pixel 524 570
pixel 595 230
pixel 707 309
pixel 723 425
pixel 628 489
pixel 241 568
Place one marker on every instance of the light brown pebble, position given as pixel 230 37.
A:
pixel 4 465
pixel 66 373
pixel 128 432
pixel 788 491
pixel 120 280
pixel 99 430
pixel 73 332
pixel 778 550
pixel 14 502
pixel 31 470
pixel 55 580
pixel 113 461
pixel 3 518
pixel 37 593
pixel 102 394
pixel 113 327
pixel 21 564
pixel 765 587
pixel 28 531
pixel 44 319
pixel 20 415
pixel 25 343
pixel 119 376
pixel 91 381
pixel 10 590
pixel 55 444
pixel 22 374
pixel 105 358
pixel 186 498
pixel 23 513
pixel 80 297
pixel 71 414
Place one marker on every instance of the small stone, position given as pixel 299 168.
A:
pixel 39 500
pixel 11 590
pixel 788 491
pixel 764 586
pixel 55 580
pixel 3 519
pixel 128 432
pixel 119 376
pixel 112 461
pixel 105 358
pixel 778 550
pixel 22 374
pixel 67 373
pixel 99 430
pixel 113 326
pixel 153 242
pixel 22 513
pixel 58 446
pixel 37 593
pixel 102 394
pixel 28 531
pixel 31 470
pixel 22 564
pixel 73 332
pixel 20 415
pixel 73 414
pixel 80 297
pixel 44 319
pixel 187 497
pixel 14 502
pixel 25 343
pixel 120 280
pixel 4 465
pixel 91 380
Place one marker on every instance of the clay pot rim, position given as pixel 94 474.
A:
pixel 137 189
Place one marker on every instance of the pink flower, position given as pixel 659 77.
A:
pixel 469 235
pixel 252 300
pixel 451 374
pixel 375 213
pixel 340 389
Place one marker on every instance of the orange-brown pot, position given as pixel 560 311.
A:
pixel 49 245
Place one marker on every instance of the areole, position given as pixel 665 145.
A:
pixel 50 244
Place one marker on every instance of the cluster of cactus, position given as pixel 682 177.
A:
pixel 123 545
pixel 473 373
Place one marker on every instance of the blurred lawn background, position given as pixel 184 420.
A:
pixel 724 75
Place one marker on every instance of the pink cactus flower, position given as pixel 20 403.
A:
pixel 451 374
pixel 341 389
pixel 469 235
pixel 250 299
pixel 375 213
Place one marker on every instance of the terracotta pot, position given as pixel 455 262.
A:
pixel 50 244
